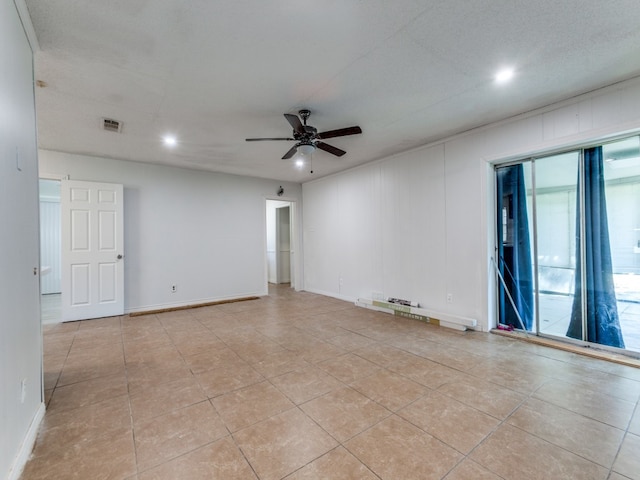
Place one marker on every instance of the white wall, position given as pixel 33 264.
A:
pixel 419 225
pixel 20 333
pixel 204 232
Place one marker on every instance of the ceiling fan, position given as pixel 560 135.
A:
pixel 308 138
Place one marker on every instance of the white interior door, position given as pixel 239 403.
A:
pixel 92 250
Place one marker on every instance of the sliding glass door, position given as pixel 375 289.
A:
pixel 621 162
pixel 556 183
pixel 568 249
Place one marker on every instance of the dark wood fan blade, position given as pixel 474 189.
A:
pixel 262 139
pixel 330 148
pixel 341 132
pixel 290 153
pixel 295 122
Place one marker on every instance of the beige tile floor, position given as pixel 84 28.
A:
pixel 299 386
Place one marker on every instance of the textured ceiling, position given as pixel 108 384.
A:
pixel 215 72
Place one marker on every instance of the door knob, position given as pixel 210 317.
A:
pixel 119 257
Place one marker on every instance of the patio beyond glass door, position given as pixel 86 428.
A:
pixel 621 161
pixel 556 183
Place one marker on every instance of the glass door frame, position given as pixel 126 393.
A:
pixel 534 243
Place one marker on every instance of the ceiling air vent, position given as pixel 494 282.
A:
pixel 111 125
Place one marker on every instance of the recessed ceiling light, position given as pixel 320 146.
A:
pixel 170 140
pixel 504 75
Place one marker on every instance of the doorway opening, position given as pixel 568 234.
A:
pixel 280 243
pixel 81 243
pixel 50 251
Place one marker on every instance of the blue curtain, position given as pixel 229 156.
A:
pixel 603 325
pixel 514 252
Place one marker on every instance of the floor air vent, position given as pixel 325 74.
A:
pixel 111 125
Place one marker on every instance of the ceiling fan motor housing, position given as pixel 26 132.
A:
pixel 308 135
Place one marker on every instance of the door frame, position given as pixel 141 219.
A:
pixel 493 310
pixel 297 282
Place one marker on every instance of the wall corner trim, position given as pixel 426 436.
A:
pixel 25 18
pixel 27 444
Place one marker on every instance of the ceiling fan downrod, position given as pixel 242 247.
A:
pixel 304 114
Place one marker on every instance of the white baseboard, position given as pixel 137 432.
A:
pixel 189 303
pixel 27 445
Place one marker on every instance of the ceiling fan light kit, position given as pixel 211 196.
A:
pixel 306 149
pixel 307 137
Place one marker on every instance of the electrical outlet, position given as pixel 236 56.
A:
pixel 174 288
pixel 449 297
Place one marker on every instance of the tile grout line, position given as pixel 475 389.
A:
pixel 635 412
pixel 256 327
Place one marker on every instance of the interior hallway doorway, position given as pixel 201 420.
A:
pixel 280 242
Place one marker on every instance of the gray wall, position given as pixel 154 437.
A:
pixel 202 231
pixel 20 335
